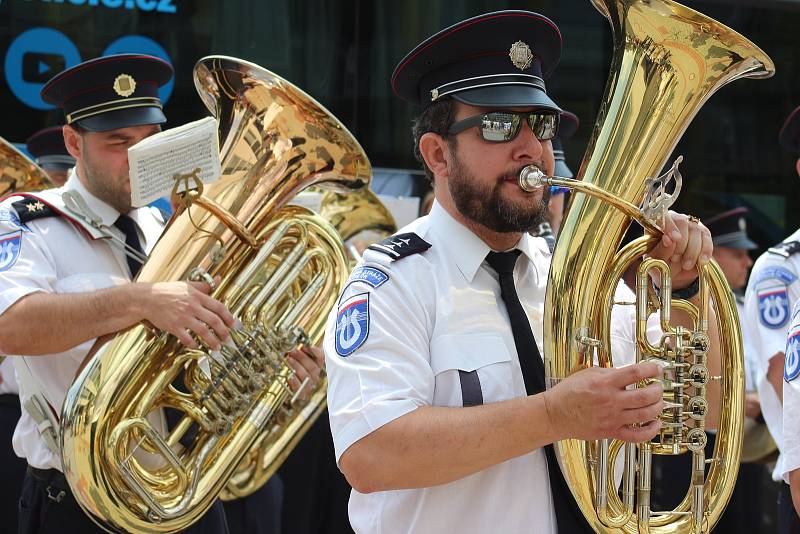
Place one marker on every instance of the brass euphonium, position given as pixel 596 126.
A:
pixel 18 173
pixel 349 213
pixel 281 267
pixel 668 60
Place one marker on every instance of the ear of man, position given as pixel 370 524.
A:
pixel 436 153
pixel 72 140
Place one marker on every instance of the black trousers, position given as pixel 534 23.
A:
pixel 259 512
pixel 316 493
pixel 47 506
pixel 12 467
pixel 788 520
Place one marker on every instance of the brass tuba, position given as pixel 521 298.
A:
pixel 668 60
pixel 18 173
pixel 349 213
pixel 282 268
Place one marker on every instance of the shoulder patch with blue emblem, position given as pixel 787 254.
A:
pixel 791 367
pixel 352 324
pixel 31 208
pixel 773 305
pixel 401 245
pixel 10 245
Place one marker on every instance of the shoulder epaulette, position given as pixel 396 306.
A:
pixel 31 208
pixel 786 249
pixel 401 245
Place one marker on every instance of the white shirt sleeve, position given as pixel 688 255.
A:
pixel 388 374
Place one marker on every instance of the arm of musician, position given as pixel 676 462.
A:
pixel 775 373
pixel 47 323
pixel 436 445
pixel 308 364
pixel 752 405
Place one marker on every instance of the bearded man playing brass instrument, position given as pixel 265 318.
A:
pixel 440 418
pixel 69 258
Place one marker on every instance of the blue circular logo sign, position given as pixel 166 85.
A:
pixel 34 57
pixel 138 44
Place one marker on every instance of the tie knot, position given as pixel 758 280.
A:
pixel 126 224
pixel 503 262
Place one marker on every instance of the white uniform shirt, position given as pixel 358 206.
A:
pixel 790 452
pixel 56 256
pixel 433 318
pixel 772 290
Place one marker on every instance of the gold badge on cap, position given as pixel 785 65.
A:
pixel 124 85
pixel 521 55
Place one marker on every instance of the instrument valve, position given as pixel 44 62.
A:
pixel 698 375
pixel 696 439
pixel 697 408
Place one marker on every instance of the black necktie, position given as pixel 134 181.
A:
pixel 568 515
pixel 128 227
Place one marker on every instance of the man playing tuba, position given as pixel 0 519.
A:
pixel 66 274
pixel 436 395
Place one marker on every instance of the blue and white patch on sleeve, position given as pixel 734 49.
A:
pixel 10 216
pixel 781 274
pixel 791 366
pixel 369 275
pixel 773 306
pixel 10 244
pixel 352 324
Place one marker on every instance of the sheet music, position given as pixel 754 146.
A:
pixel 153 162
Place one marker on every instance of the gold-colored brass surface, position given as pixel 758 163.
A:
pixel 18 173
pixel 350 214
pixel 668 61
pixel 128 473
pixel 354 213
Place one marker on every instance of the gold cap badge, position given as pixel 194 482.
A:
pixel 124 85
pixel 521 55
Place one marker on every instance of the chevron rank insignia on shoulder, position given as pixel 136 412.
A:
pixel 401 245
pixel 32 208
pixel 786 249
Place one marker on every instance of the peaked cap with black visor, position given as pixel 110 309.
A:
pixel 496 60
pixel 789 136
pixel 110 92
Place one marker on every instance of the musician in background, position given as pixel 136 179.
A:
pixel 50 153
pixel 439 414
pixel 64 282
pixel 772 294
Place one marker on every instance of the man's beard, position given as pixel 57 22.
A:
pixel 105 186
pixel 487 207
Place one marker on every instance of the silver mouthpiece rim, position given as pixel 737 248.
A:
pixel 532 178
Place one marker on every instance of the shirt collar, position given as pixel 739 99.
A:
pixel 107 214
pixel 468 250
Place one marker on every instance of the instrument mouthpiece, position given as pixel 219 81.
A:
pixel 532 178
